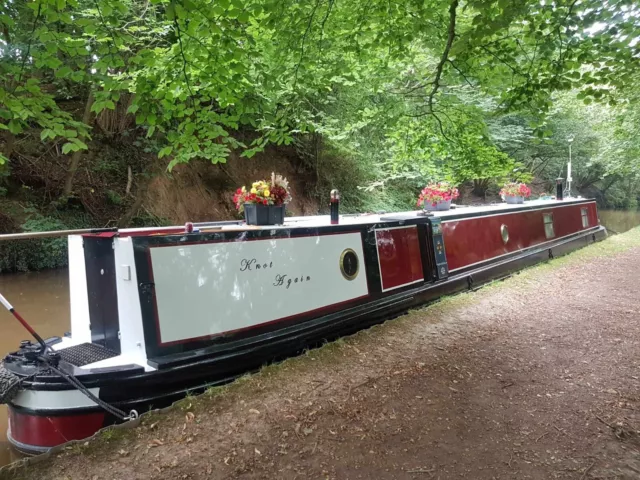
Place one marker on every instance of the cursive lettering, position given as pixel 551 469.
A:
pixel 285 281
pixel 250 264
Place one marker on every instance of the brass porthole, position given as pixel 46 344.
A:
pixel 349 264
pixel 504 231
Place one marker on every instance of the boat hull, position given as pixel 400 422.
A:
pixel 48 415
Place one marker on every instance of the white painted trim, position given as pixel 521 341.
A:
pixel 4 302
pixel 119 361
pixel 132 344
pixel 54 399
pixel 522 250
pixel 550 207
pixel 78 294
pixel 380 266
pixel 395 228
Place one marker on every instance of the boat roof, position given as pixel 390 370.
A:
pixel 315 221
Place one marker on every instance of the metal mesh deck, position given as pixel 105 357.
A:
pixel 86 353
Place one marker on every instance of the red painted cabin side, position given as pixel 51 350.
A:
pixel 469 241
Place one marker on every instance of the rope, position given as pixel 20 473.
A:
pixel 73 381
pixel 10 385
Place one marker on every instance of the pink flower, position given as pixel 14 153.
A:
pixel 438 192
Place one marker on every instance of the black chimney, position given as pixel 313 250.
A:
pixel 335 205
pixel 558 188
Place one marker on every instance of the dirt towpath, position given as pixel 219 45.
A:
pixel 537 377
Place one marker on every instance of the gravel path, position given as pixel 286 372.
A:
pixel 535 378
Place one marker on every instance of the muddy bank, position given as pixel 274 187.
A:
pixel 534 378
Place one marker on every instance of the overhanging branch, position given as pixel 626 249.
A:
pixel 445 55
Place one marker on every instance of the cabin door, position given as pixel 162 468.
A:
pixel 101 288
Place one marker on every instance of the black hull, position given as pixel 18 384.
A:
pixel 194 371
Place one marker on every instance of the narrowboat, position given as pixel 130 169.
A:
pixel 158 313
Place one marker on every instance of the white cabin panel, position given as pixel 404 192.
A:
pixel 208 289
pixel 78 296
pixel 132 343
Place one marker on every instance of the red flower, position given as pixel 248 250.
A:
pixel 438 192
pixel 515 190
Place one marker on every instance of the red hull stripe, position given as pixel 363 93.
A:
pixel 399 256
pixel 43 431
pixel 473 240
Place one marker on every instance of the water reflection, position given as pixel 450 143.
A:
pixel 619 221
pixel 43 300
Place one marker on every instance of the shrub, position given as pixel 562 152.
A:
pixel 35 254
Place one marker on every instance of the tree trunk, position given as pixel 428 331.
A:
pixel 480 187
pixel 77 156
pixel 9 144
pixel 125 220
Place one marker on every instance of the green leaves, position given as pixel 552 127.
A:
pixel 358 74
pixel 63 72
pixel 73 145
pixel 165 151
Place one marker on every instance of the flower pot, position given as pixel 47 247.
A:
pixel 438 207
pixel 513 199
pixel 255 214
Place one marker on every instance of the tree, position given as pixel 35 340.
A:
pixel 426 81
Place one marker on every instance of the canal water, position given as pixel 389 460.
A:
pixel 43 300
pixel 619 221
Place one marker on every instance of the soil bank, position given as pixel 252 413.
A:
pixel 536 377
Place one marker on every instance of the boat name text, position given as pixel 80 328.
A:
pixel 283 281
pixel 250 264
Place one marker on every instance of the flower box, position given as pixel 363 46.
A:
pixel 256 214
pixel 514 193
pixel 513 199
pixel 438 207
pixel 265 202
pixel 437 196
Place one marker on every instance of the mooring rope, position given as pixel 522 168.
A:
pixel 73 381
pixel 10 385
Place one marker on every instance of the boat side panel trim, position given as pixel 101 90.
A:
pixel 454 215
pixel 551 242
pixel 31 432
pixel 399 257
pixel 102 292
pixel 131 329
pixel 54 399
pixel 232 286
pixel 78 296
pixel 471 241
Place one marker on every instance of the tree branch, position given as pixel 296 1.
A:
pixel 326 17
pixel 304 39
pixel 26 55
pixel 460 72
pixel 184 67
pixel 445 54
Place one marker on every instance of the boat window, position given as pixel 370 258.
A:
pixel 585 218
pixel 548 225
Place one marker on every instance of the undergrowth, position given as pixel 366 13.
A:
pixel 35 254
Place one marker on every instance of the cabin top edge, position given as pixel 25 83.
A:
pixel 351 220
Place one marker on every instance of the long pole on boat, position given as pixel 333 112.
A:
pixel 54 233
pixel 24 323
pixel 567 192
pixel 64 233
